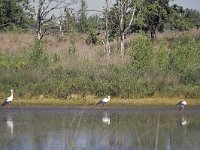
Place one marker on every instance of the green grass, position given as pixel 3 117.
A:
pixel 91 102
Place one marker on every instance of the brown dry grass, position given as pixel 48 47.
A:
pixel 16 43
pixel 174 34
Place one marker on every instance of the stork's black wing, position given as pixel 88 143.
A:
pixel 100 102
pixel 4 103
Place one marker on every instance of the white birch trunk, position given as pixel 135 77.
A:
pixel 122 45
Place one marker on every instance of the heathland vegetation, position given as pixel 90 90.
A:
pixel 171 68
pixel 82 61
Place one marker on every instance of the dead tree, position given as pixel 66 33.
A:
pixel 61 25
pixel 125 8
pixel 45 8
pixel 107 44
pixel 105 20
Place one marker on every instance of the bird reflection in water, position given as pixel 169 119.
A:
pixel 106 118
pixel 183 121
pixel 9 123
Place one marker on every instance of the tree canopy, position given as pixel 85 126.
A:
pixel 124 17
pixel 15 14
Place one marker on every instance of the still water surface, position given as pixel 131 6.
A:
pixel 99 129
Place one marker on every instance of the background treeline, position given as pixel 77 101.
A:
pixel 147 52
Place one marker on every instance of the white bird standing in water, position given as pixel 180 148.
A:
pixel 9 99
pixel 181 105
pixel 103 101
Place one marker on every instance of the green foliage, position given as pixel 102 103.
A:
pixel 113 23
pixel 72 48
pixel 15 15
pixel 12 61
pixel 184 60
pixel 93 24
pixel 82 17
pixel 37 56
pixel 92 39
pixel 155 15
pixel 154 69
pixel 69 23
pixel 161 57
pixel 193 18
pixel 185 55
pixel 86 24
pixel 176 18
pixel 183 19
pixel 37 51
pixel 142 52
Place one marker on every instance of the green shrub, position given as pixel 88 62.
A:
pixel 160 57
pixel 142 53
pixel 184 59
pixel 37 56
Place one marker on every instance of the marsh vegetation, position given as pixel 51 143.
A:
pixel 49 70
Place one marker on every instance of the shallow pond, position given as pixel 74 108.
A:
pixel 99 129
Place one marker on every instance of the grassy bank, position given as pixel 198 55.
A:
pixel 115 102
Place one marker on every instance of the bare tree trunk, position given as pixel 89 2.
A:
pixel 39 32
pixel 122 41
pixel 125 8
pixel 153 34
pixel 153 37
pixel 107 44
pixel 121 26
pixel 39 20
pixel 45 7
pixel 61 25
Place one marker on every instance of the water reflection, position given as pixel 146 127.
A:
pixel 130 129
pixel 106 118
pixel 9 123
pixel 183 121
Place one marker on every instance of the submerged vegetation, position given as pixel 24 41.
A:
pixel 169 69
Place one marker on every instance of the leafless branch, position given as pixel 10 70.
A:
pixel 131 21
pixel 45 13
pixel 46 21
pixel 45 7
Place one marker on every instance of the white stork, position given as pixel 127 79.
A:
pixel 181 105
pixel 8 100
pixel 103 101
